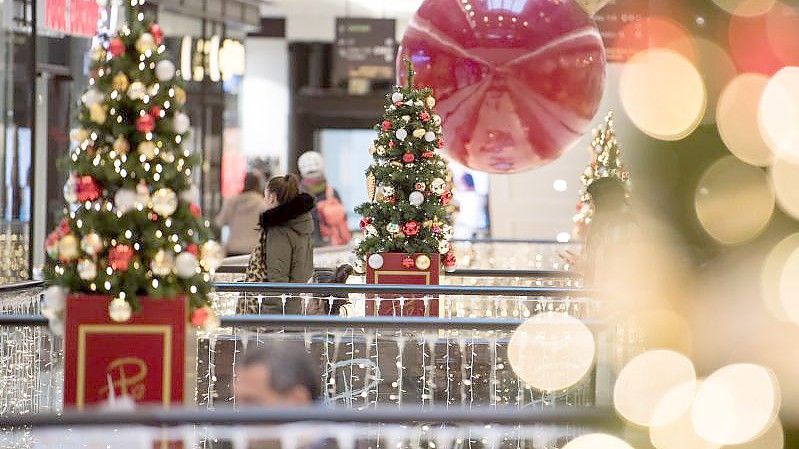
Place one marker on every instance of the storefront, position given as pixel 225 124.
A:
pixel 37 115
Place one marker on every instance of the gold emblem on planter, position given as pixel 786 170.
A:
pixel 127 374
pixel 422 262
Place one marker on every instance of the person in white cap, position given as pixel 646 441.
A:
pixel 330 215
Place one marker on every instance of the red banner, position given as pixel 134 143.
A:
pixel 143 358
pixel 76 17
pixel 405 269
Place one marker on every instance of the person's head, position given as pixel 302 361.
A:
pixel 253 183
pixel 608 195
pixel 280 373
pixel 311 165
pixel 281 190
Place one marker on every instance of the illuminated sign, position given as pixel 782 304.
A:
pixel 218 60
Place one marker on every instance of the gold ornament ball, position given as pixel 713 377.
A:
pixel 165 202
pixel 180 96
pixel 68 247
pixel 148 149
pixel 163 263
pixel 78 135
pixel 431 102
pixel 145 42
pixel 121 145
pixel 120 82
pixel 119 310
pixel 419 133
pixel 91 244
pixel 97 113
pixel 211 255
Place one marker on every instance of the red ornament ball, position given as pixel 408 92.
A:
pixel 157 33
pixel 117 47
pixel 87 189
pixel 145 124
pixel 449 259
pixel 386 125
pixel 391 144
pixel 195 210
pixel 199 316
pixel 155 111
pixel 446 198
pixel 365 221
pixel 424 116
pixel 410 228
pixel 408 158
pixel 515 87
pixel 427 154
pixel 193 249
pixel 407 262
pixel 119 257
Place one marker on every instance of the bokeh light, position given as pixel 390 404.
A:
pixel 789 286
pixel 551 351
pixel 734 201
pixel 745 8
pixel 676 430
pixel 771 275
pixel 717 69
pixel 737 118
pixel 643 383
pixel 663 94
pixel 736 404
pixel 785 178
pixel 779 113
pixel 658 328
pixel 782 31
pixel 774 438
pixel 597 441
pixel 656 32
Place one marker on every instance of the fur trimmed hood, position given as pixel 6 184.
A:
pixel 293 214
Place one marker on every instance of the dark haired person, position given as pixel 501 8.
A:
pixel 285 249
pixel 280 374
pixel 240 214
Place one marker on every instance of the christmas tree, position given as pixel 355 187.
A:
pixel 408 193
pixel 605 163
pixel 131 226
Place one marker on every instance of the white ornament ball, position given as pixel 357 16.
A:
pixel 68 247
pixel 438 186
pixel 388 190
pixel 396 97
pixel 370 231
pixel 137 90
pixel 87 269
pixel 145 42
pixel 142 194
pixel 186 265
pixel 125 200
pixel 163 263
pixel 119 310
pixel 437 119
pixel 375 261
pixel 165 70
pixel 181 123
pixel 92 97
pixel 70 190
pixel 401 134
pixel 406 118
pixel 212 254
pixel 431 102
pixel 430 136
pixel 416 198
pixel 443 247
pixel 91 244
pixel 165 202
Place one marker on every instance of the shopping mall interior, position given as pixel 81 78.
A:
pixel 391 224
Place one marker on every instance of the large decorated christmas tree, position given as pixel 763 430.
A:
pixel 408 193
pixel 132 226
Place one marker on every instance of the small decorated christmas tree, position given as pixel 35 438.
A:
pixel 407 211
pixel 605 163
pixel 131 226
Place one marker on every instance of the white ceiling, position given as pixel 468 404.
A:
pixel 399 9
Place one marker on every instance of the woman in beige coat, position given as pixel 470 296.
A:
pixel 240 213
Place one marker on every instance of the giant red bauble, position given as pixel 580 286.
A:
pixel 517 82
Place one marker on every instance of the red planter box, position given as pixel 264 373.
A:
pixel 144 358
pixel 402 268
